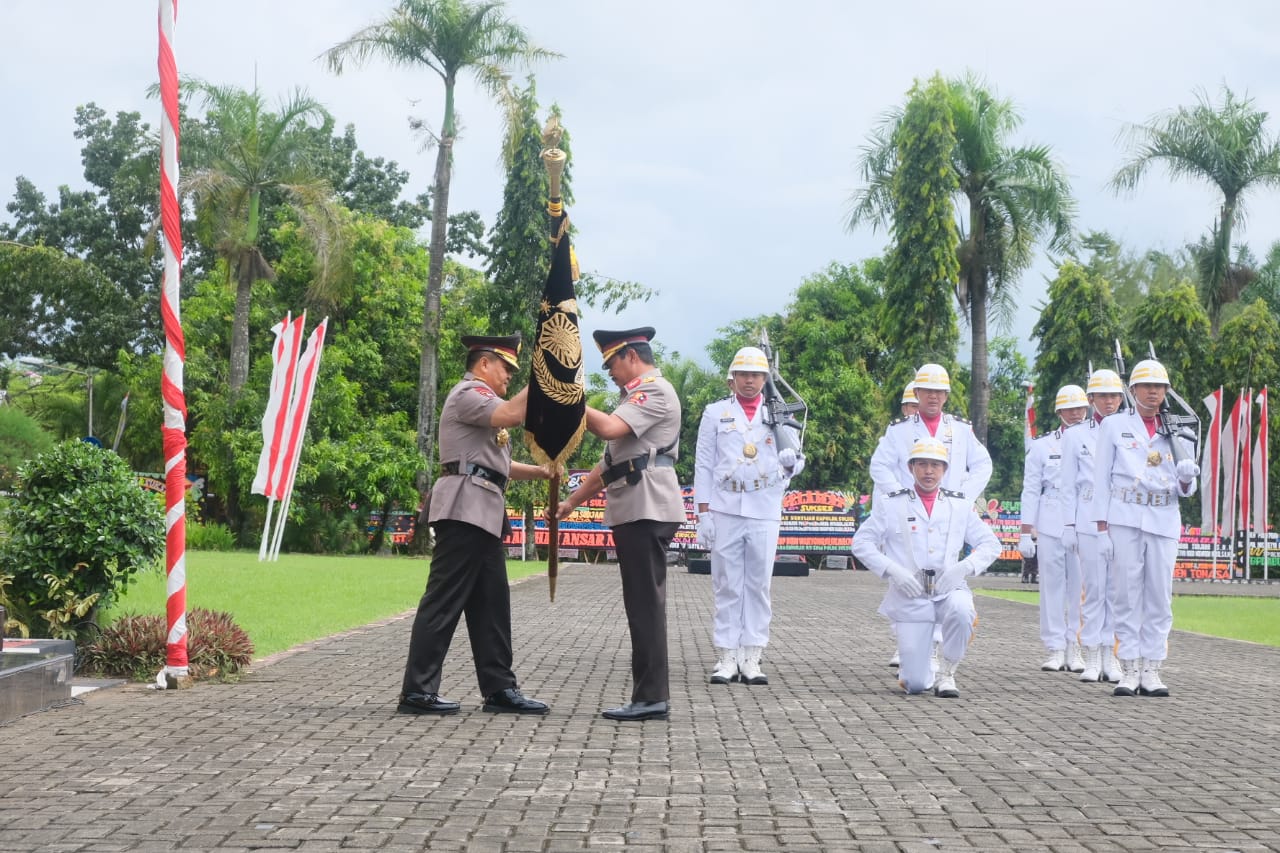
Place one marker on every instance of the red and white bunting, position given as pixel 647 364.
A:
pixel 275 420
pixel 1230 467
pixel 1211 468
pixel 299 413
pixel 1029 420
pixel 1261 475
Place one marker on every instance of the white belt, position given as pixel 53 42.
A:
pixel 749 485
pixel 1143 497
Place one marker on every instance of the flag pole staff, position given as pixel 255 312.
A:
pixel 174 423
pixel 554 159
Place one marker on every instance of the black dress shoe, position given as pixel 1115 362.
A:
pixel 512 701
pixel 638 711
pixel 426 703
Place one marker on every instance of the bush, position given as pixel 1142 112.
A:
pixel 134 647
pixel 210 537
pixel 21 439
pixel 79 529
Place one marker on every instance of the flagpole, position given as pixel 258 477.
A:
pixel 554 159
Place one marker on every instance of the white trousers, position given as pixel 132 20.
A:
pixel 741 575
pixel 1142 592
pixel 956 616
pixel 1060 592
pixel 1097 618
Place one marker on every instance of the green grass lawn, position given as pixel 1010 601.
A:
pixel 1256 620
pixel 298 598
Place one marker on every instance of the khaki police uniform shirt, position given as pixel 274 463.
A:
pixel 651 408
pixel 466 435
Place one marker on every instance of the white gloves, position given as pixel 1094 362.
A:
pixel 950 579
pixel 1188 470
pixel 1069 540
pixel 706 531
pixel 1106 548
pixel 906 582
pixel 1026 546
pixel 792 463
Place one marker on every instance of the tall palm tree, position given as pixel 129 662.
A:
pixel 1228 146
pixel 1010 198
pixel 448 37
pixel 243 151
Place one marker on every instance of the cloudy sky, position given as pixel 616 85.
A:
pixel 715 142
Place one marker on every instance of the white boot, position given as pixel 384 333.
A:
pixel 1092 664
pixel 1110 664
pixel 749 665
pixel 1130 673
pixel 726 669
pixel 1056 663
pixel 896 660
pixel 945 684
pixel 1149 683
pixel 1074 661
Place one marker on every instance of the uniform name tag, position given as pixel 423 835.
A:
pixel 1126 435
pixel 726 420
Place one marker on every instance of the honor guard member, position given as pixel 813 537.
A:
pixel 1042 524
pixel 1080 534
pixel 909 404
pixel 644 506
pixel 739 481
pixel 469 514
pixel 1139 477
pixel 914 539
pixel 970 467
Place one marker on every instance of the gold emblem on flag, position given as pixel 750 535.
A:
pixel 749 450
pixel 1153 458
pixel 503 437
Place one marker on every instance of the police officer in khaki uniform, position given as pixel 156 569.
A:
pixel 643 505
pixel 468 513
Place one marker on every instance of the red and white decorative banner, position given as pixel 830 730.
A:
pixel 1231 467
pixel 1261 473
pixel 1029 421
pixel 299 412
pixel 174 429
pixel 1211 466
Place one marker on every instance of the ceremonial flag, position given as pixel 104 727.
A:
pixel 299 413
pixel 556 412
pixel 1260 468
pixel 1246 465
pixel 1029 430
pixel 1230 467
pixel 275 420
pixel 1211 467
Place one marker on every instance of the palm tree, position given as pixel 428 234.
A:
pixel 1010 198
pixel 1226 145
pixel 242 152
pixel 448 37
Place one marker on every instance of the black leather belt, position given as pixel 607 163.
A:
pixel 474 470
pixel 632 467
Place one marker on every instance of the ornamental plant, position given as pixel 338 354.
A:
pixel 79 529
pixel 134 647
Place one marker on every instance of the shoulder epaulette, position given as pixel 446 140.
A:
pixel 894 494
pixel 901 420
pixel 1117 412
pixel 1043 435
pixel 961 420
pixel 952 493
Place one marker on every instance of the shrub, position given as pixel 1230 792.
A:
pixel 21 438
pixel 79 529
pixel 134 647
pixel 210 537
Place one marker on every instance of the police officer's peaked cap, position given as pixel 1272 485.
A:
pixel 505 347
pixel 610 342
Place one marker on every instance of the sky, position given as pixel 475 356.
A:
pixel 715 143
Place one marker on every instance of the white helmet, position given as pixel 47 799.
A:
pixel 749 360
pixel 928 448
pixel 1070 397
pixel 1150 372
pixel 1105 381
pixel 909 394
pixel 932 376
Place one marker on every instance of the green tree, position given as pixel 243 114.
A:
pixel 21 438
pixel 1175 325
pixel 1226 144
pixel 1010 199
pixel 922 266
pixel 1247 353
pixel 1075 328
pixel 448 37
pixel 1009 372
pixel 242 151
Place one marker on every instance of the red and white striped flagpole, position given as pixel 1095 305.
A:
pixel 174 430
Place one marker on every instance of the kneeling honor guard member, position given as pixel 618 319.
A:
pixel 644 507
pixel 469 513
pixel 914 538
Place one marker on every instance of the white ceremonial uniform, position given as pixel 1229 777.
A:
pixel 1059 569
pixel 1136 491
pixel 899 531
pixel 1075 502
pixel 737 474
pixel 968 463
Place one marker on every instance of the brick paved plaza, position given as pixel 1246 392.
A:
pixel 305 753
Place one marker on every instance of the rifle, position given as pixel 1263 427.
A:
pixel 1118 358
pixel 1178 426
pixel 779 414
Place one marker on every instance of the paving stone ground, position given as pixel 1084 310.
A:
pixel 306 754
